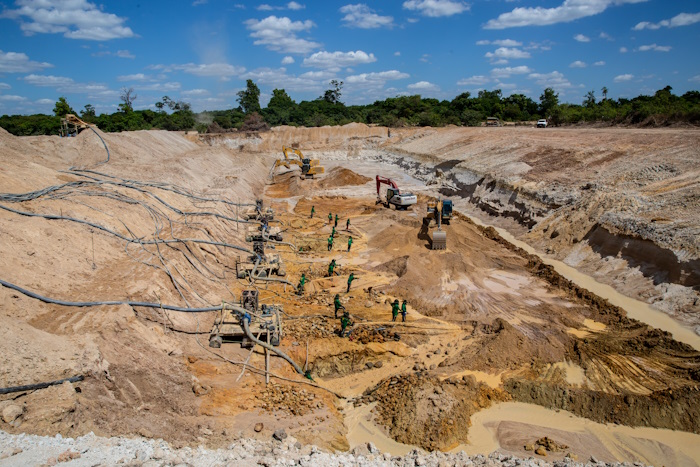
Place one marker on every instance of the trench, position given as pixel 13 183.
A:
pixel 655 262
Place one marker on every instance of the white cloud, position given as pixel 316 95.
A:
pixel 134 77
pixel 124 54
pixel 17 62
pixel 508 71
pixel 623 78
pixel 501 42
pixel 423 86
pixel 477 80
pixel 76 19
pixel 623 50
pixel 424 58
pixel 280 34
pixel 654 47
pixel 161 87
pixel 683 19
pixel 582 38
pixel 278 78
pixel 606 36
pixel 599 63
pixel 436 8
pixel 397 54
pixel 361 16
pixel 45 101
pixel 287 60
pixel 554 79
pixel 507 53
pixel 11 98
pixel 376 78
pixel 578 64
pixel 288 6
pixel 5 86
pixel 337 60
pixel 223 71
pixel 695 79
pixel 569 10
pixel 195 92
pixel 48 80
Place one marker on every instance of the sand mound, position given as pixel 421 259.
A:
pixel 339 176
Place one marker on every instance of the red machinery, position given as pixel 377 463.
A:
pixel 394 195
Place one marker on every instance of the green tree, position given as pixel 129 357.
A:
pixel 549 100
pixel 280 108
pixel 589 100
pixel 127 96
pixel 62 107
pixel 604 90
pixel 88 113
pixel 333 95
pixel 249 99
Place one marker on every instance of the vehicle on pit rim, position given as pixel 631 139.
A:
pixel 542 123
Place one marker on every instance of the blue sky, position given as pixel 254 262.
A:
pixel 202 51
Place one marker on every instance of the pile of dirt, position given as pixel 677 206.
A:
pixel 367 334
pixel 340 176
pixel 501 345
pixel 421 410
pixel 316 327
pixel 544 444
pixel 674 409
pixel 337 365
pixel 288 398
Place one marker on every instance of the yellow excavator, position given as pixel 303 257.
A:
pixel 309 167
pixel 441 211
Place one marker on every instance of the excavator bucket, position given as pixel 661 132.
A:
pixel 439 240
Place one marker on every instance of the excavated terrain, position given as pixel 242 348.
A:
pixel 488 324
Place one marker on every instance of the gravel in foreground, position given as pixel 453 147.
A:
pixel 91 450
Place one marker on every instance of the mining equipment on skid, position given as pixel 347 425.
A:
pixel 441 211
pixel 259 264
pixel 393 194
pixel 259 213
pixel 262 320
pixel 309 167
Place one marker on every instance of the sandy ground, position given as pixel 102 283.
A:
pixel 487 322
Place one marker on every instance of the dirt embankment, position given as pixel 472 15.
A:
pixel 479 313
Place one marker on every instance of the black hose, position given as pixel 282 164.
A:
pixel 31 387
pixel 103 142
pixel 108 302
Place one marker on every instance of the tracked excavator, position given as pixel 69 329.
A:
pixel 441 211
pixel 309 167
pixel 394 195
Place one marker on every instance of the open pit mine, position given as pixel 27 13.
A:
pixel 351 296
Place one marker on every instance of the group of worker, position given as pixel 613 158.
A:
pixel 395 310
pixel 345 321
pixel 334 227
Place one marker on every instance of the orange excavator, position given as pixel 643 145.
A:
pixel 394 195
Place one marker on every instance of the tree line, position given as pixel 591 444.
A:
pixel 663 108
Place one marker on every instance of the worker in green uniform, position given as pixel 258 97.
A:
pixel 330 243
pixel 333 232
pixel 336 220
pixel 403 311
pixel 347 224
pixel 395 309
pixel 337 304
pixel 350 279
pixel 302 281
pixel 344 323
pixel 331 268
pixel 330 217
pixel 349 243
pixel 313 211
